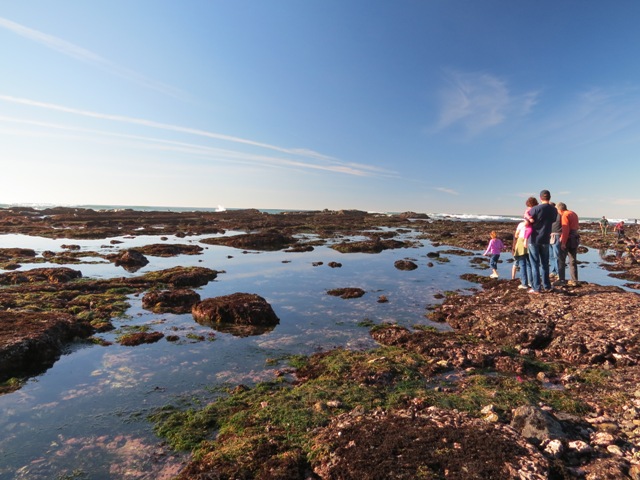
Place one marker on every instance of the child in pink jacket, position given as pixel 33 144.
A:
pixel 493 249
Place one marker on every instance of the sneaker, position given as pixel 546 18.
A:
pixel 494 275
pixel 523 287
pixel 532 291
pixel 549 290
pixel 560 283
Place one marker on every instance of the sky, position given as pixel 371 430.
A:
pixel 448 106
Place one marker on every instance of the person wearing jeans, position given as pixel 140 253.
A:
pixel 542 218
pixel 554 245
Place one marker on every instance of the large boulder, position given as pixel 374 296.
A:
pixel 245 309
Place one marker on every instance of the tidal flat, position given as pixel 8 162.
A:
pixel 339 387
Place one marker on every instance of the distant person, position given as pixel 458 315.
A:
pixel 554 244
pixel 604 225
pixel 543 216
pixel 619 229
pixel 531 202
pixel 569 240
pixel 521 256
pixel 493 249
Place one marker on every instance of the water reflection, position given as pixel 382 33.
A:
pixel 86 416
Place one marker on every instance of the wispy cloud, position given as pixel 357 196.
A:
pixel 89 57
pixel 447 190
pixel 300 158
pixel 626 201
pixel 476 102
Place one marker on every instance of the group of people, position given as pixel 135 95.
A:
pixel 619 228
pixel 544 239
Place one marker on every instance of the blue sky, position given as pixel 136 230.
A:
pixel 432 105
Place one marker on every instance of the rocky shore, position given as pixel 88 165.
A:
pixel 523 387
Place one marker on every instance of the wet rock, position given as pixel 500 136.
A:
pixel 265 241
pixel 405 265
pixel 169 250
pixel 174 301
pixel 40 342
pixel 349 292
pixel 181 277
pixel 129 258
pixel 50 275
pixel 138 338
pixel 237 308
pixel 369 246
pixel 7 254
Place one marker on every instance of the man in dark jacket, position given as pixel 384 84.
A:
pixel 542 217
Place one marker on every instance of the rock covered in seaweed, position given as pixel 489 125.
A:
pixel 237 308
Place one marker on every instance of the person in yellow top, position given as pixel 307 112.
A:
pixel 569 242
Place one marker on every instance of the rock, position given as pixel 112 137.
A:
pixel 266 241
pixel 129 259
pixel 554 448
pixel 405 265
pixel 169 250
pixel 36 275
pixel 237 308
pixel 138 338
pixel 535 424
pixel 349 292
pixel 41 340
pixel 174 301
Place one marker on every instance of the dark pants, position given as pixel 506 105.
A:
pixel 573 263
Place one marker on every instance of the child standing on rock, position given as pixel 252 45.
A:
pixel 493 249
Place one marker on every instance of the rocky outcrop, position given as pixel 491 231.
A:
pixel 32 341
pixel 169 250
pixel 173 301
pixel 38 275
pixel 265 241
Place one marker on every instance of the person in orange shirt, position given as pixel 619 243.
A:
pixel 569 241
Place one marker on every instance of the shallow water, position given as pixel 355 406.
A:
pixel 86 416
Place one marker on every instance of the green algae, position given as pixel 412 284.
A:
pixel 228 432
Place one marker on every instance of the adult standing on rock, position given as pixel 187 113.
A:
pixel 554 245
pixel 569 241
pixel 542 218
pixel 604 225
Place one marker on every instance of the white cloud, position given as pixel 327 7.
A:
pixel 89 57
pixel 476 102
pixel 447 190
pixel 301 158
